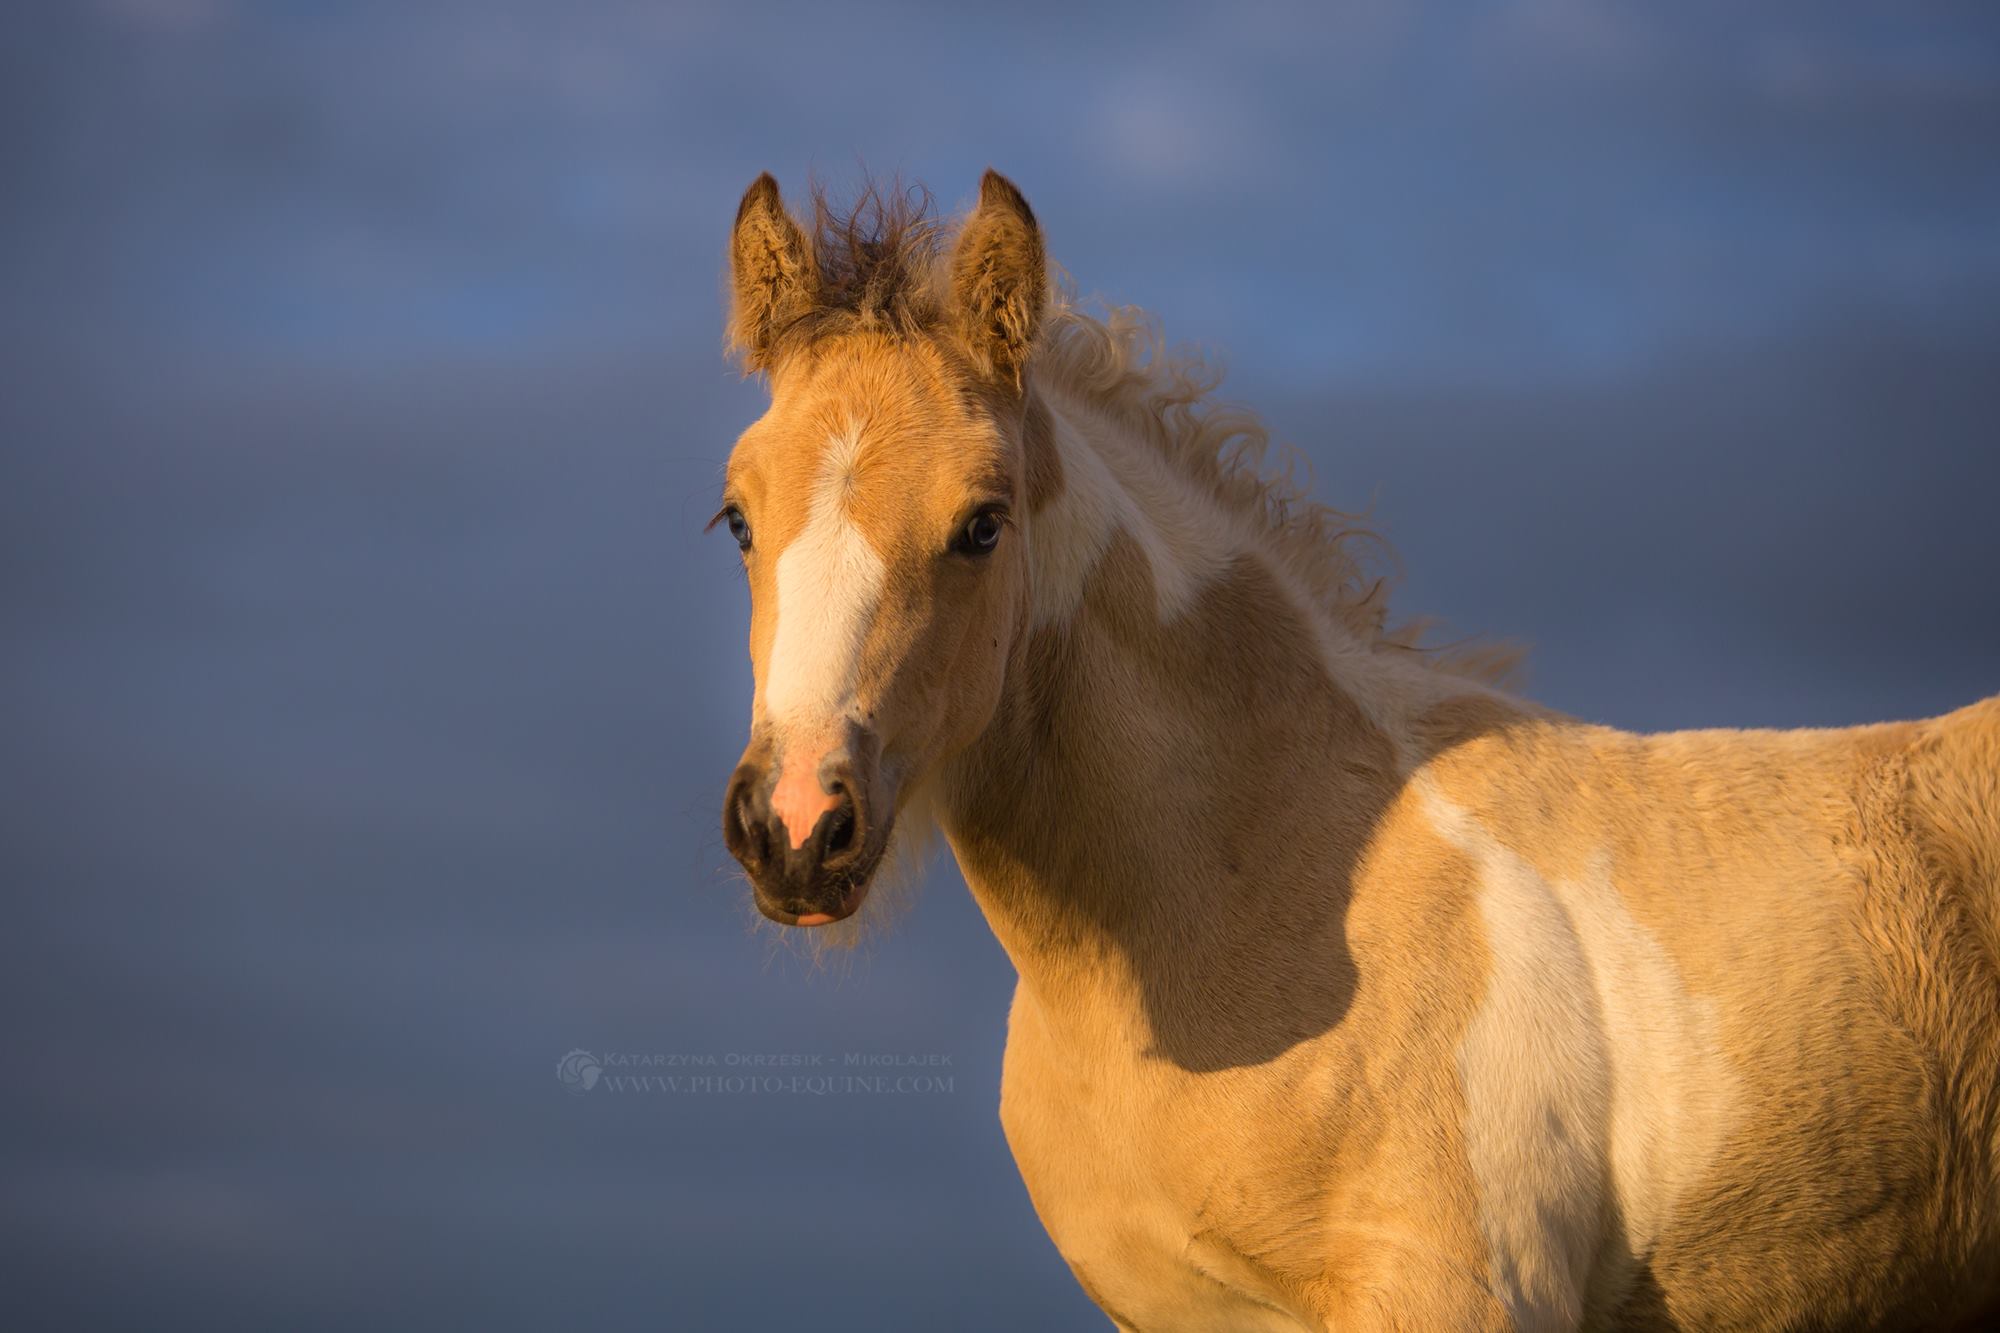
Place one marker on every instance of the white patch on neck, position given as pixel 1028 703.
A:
pixel 1591 1074
pixel 829 584
pixel 1112 484
pixel 1116 481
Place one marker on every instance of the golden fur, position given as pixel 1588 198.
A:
pixel 1354 992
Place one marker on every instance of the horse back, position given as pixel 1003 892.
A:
pixel 1952 795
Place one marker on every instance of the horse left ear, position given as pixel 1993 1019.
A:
pixel 999 278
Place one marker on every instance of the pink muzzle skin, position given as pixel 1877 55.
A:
pixel 799 801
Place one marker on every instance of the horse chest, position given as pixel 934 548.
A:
pixel 1103 1151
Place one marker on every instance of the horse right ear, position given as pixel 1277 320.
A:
pixel 774 277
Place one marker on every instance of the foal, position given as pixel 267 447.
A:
pixel 1354 993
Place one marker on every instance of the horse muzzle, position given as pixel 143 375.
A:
pixel 804 873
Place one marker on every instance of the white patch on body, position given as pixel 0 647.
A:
pixel 1593 1078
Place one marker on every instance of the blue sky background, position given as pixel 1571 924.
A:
pixel 368 689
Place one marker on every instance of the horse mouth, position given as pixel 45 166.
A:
pixel 835 898
pixel 838 907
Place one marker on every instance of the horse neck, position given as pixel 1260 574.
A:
pixel 1184 766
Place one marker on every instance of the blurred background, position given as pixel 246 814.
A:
pixel 368 686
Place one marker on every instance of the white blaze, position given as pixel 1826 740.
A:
pixel 829 584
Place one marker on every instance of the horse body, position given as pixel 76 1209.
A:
pixel 1459 1011
pixel 1353 991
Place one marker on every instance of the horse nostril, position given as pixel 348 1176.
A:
pixel 840 828
pixel 748 838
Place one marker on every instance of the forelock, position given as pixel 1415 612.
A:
pixel 878 256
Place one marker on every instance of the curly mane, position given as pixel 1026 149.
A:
pixel 1122 361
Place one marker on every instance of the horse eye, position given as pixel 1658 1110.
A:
pixel 739 526
pixel 982 532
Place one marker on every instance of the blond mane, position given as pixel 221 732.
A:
pixel 1122 361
